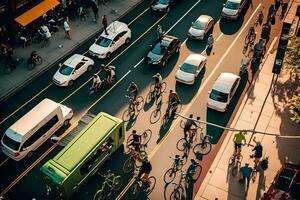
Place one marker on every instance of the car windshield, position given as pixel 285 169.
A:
pixel 159 49
pixel 165 2
pixel 232 5
pixel 65 70
pixel 188 68
pixel 11 143
pixel 218 96
pixel 103 42
pixel 199 25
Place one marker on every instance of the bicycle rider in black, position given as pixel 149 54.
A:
pixel 188 126
pixel 145 170
pixel 133 90
pixel 136 142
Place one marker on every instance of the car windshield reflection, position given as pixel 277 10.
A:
pixel 218 96
pixel 65 70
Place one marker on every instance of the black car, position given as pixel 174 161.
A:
pixel 162 5
pixel 163 50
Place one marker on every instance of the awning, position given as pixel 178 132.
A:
pixel 35 12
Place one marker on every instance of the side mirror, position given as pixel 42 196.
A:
pixel 59 64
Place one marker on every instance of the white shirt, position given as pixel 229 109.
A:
pixel 96 80
pixel 66 26
pixel 46 31
pixel 245 60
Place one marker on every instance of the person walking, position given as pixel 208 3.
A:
pixel 246 173
pixel 277 5
pixel 284 6
pixel 271 13
pixel 105 23
pixel 95 10
pixel 67 28
pixel 159 33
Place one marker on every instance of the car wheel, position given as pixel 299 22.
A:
pixel 71 82
pixel 127 41
pixel 108 55
pixel 89 68
pixel 168 10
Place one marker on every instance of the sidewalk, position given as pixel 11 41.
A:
pixel 80 32
pixel 219 183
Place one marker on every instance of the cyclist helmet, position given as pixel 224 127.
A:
pixel 176 156
pixel 134 132
pixel 191 116
pixel 95 76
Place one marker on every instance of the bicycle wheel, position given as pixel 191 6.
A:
pixel 234 170
pixel 135 191
pixel 126 115
pixel 182 124
pixel 177 194
pixel 181 144
pixel 158 99
pixel 155 115
pixel 149 97
pixel 196 173
pixel 118 182
pixel 231 160
pixel 128 165
pixel 39 60
pixel 100 195
pixel 140 103
pixel 146 136
pixel 245 48
pixel 247 39
pixel 203 148
pixel 152 183
pixel 163 87
pixel 178 109
pixel 169 176
pixel 129 140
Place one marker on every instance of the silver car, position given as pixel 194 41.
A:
pixel 200 27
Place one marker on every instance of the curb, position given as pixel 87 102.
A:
pixel 21 85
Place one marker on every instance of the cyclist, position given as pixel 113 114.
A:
pixel 210 41
pixel 33 57
pixel 173 100
pixel 259 48
pixel 158 82
pixel 96 82
pixel 251 34
pixel 238 140
pixel 145 170
pixel 188 131
pixel 133 90
pixel 265 32
pixel 244 63
pixel 177 160
pixel 110 73
pixel 192 167
pixel 246 173
pixel 135 144
pixel 260 17
pixel 257 154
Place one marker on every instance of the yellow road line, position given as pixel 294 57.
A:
pixel 138 16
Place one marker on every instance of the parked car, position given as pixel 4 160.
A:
pixel 232 9
pixel 163 5
pixel 286 184
pixel 222 91
pixel 200 27
pixel 163 50
pixel 190 69
pixel 71 69
pixel 118 34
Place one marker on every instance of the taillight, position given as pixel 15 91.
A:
pixel 17 154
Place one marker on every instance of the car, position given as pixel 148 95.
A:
pixel 118 34
pixel 162 5
pixel 222 91
pixel 286 184
pixel 232 9
pixel 190 68
pixel 200 27
pixel 163 50
pixel 71 69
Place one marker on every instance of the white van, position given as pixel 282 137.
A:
pixel 34 128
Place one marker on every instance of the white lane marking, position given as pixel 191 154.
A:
pixel 137 64
pixel 4 162
pixel 219 37
pixel 184 41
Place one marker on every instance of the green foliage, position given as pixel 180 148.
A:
pixel 292 54
pixel 295 108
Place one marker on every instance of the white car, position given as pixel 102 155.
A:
pixel 190 69
pixel 200 27
pixel 71 69
pixel 118 34
pixel 223 91
pixel 232 9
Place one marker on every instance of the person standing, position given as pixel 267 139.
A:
pixel 67 28
pixel 246 173
pixel 105 23
pixel 159 32
pixel 277 5
pixel 95 10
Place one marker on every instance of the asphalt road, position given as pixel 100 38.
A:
pixel 21 180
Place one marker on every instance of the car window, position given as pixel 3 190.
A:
pixel 199 25
pixel 66 70
pixel 232 5
pixel 165 2
pixel 116 38
pixel 218 96
pixel 122 34
pixel 159 49
pixel 79 65
pixel 188 68
pixel 103 42
pixel 233 87
pixel 10 143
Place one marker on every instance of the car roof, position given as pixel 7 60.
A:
pixel 167 39
pixel 194 59
pixel 225 82
pixel 235 1
pixel 73 60
pixel 204 18
pixel 113 29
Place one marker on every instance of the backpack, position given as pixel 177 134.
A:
pixel 264 164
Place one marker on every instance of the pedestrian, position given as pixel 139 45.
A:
pixel 67 28
pixel 265 32
pixel 277 5
pixel 284 6
pixel 258 153
pixel 159 33
pixel 46 34
pixel 246 173
pixel 105 23
pixel 271 13
pixel 95 10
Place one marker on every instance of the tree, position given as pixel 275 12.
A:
pixel 295 108
pixel 292 55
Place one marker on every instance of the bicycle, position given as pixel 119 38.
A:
pixel 193 173
pixel 145 137
pixel 259 19
pixel 110 180
pixel 172 108
pixel 249 41
pixel 260 164
pixel 139 185
pixel 204 147
pixel 156 92
pixel 140 155
pixel 178 192
pixel 194 130
pixel 38 60
pixel 134 105
pixel 171 173
pixel 155 115
pixel 82 13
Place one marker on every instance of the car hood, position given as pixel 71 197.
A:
pixel 228 11
pixel 216 104
pixel 60 77
pixel 196 32
pixel 154 57
pixel 185 76
pixel 159 6
pixel 98 49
